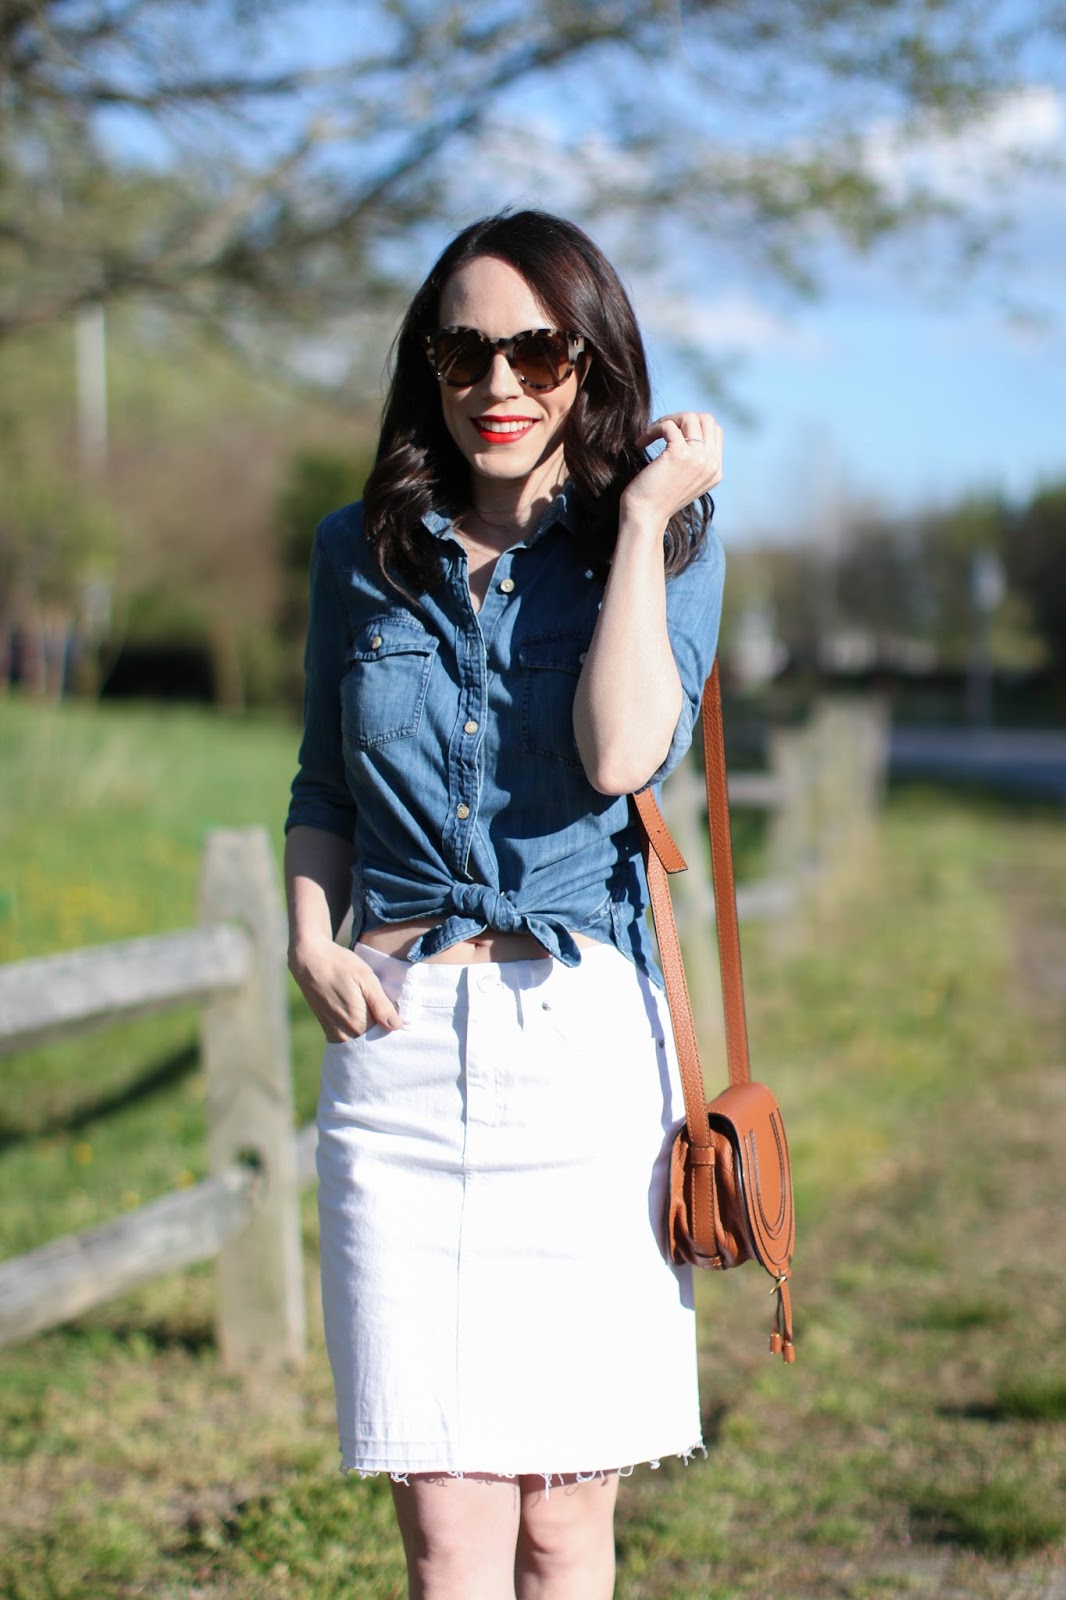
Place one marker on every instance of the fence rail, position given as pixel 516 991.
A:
pixel 49 997
pixel 245 1214
pixel 82 1270
pixel 823 783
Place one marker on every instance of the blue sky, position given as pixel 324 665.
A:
pixel 887 389
pixel 907 380
pixel 890 396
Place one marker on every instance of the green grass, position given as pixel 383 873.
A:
pixel 925 1419
pixel 1033 1396
pixel 996 1519
pixel 103 818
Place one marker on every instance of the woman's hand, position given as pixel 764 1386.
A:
pixel 689 466
pixel 343 992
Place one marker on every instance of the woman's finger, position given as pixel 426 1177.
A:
pixel 346 995
pixel 378 1004
pixel 692 427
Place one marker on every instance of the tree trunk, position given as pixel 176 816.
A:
pixel 226 663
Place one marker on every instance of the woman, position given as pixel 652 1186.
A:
pixel 503 643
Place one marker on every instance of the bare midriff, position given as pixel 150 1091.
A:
pixel 396 939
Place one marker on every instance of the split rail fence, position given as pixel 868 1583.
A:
pixel 822 786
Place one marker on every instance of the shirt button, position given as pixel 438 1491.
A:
pixel 583 657
pixel 507 585
pixel 470 727
pixel 375 643
pixel 462 811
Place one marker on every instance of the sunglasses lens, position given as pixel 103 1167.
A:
pixel 462 357
pixel 541 360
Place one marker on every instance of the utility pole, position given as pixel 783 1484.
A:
pixel 987 587
pixel 90 359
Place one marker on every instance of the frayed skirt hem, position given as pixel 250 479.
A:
pixel 551 1479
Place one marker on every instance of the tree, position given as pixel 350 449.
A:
pixel 899 589
pixel 58 544
pixel 174 542
pixel 283 186
pixel 1036 565
pixel 317 482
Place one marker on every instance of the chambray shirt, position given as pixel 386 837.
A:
pixel 440 740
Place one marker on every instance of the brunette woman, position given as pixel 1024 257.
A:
pixel 507 636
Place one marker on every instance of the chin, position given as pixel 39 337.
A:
pixel 493 467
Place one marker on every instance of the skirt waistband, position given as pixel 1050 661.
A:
pixel 443 981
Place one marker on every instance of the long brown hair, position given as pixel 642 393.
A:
pixel 418 467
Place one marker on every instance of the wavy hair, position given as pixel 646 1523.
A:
pixel 418 467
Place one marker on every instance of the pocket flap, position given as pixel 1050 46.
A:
pixel 559 652
pixel 384 636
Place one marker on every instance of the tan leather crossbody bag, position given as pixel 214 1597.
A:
pixel 730 1195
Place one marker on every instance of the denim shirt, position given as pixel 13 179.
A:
pixel 440 739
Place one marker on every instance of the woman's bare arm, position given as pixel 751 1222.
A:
pixel 629 694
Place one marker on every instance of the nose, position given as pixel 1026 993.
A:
pixel 501 381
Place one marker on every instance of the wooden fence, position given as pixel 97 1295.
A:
pixel 234 966
pixel 821 788
pixel 823 784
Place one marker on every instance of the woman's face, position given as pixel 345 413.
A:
pixel 506 432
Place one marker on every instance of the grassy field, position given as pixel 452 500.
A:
pixel 912 1023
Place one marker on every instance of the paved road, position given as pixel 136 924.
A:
pixel 1030 763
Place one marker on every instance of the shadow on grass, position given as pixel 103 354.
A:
pixel 959 1315
pixel 1034 1399
pixel 193 1337
pixel 712 1420
pixel 96 1335
pixel 163 1075
pixel 996 1519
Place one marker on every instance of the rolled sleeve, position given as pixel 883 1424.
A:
pixel 321 797
pixel 693 615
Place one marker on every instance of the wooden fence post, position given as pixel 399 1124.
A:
pixel 247 1062
pixel 851 738
pixel 792 847
pixel 834 801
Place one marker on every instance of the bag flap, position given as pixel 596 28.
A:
pixel 748 1115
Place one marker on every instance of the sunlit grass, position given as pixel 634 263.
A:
pixel 925 1411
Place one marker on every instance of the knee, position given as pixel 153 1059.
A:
pixel 562 1534
pixel 459 1537
pixel 438 1545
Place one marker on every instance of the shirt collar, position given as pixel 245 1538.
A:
pixel 563 509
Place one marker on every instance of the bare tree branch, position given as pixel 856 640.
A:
pixel 285 177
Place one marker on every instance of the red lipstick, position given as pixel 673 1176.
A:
pixel 491 431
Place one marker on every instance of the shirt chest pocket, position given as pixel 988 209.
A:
pixel 551 665
pixel 384 689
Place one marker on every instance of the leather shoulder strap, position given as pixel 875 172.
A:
pixel 725 892
pixel 661 856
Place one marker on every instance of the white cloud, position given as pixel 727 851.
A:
pixel 727 324
pixel 961 163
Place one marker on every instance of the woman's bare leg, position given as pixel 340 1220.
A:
pixel 566 1539
pixel 459 1535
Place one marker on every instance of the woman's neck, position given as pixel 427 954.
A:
pixel 508 507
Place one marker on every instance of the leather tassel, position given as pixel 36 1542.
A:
pixel 781 1336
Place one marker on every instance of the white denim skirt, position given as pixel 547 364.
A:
pixel 492 1182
